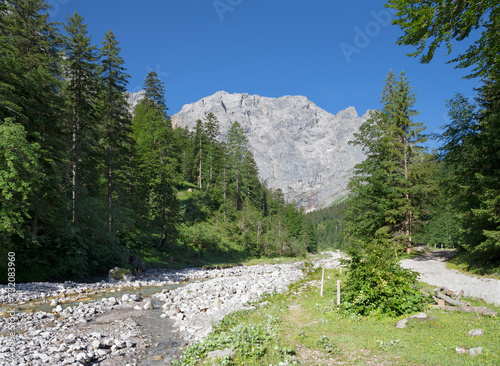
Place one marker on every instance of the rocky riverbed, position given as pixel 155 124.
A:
pixel 117 323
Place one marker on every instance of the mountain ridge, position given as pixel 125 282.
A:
pixel 299 147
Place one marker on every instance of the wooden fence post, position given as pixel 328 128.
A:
pixel 338 292
pixel 322 280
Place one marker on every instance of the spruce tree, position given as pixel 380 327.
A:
pixel 116 120
pixel 29 85
pixel 156 164
pixel 390 185
pixel 80 70
pixel 470 152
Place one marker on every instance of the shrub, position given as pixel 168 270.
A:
pixel 377 284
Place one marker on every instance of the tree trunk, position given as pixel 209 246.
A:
pixel 110 188
pixel 199 174
pixel 36 214
pixel 468 309
pixel 76 132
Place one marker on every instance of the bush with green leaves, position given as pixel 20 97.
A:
pixel 377 285
pixel 250 341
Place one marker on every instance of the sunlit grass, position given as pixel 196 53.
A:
pixel 312 331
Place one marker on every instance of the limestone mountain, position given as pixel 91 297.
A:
pixel 299 148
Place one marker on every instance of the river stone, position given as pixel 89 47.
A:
pixel 217 303
pixel 96 344
pixel 58 309
pixel 148 306
pixel 128 277
pixel 70 338
pixel 102 352
pixel 475 351
pixel 173 311
pixel 119 344
pixel 475 333
pixel 221 353
pixel 82 356
pixel 97 335
pixel 54 303
pixel 135 297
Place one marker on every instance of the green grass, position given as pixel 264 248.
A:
pixel 308 329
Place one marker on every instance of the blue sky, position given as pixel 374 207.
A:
pixel 336 53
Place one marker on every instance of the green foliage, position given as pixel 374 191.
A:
pixel 155 167
pixel 428 25
pixel 250 342
pixel 391 186
pixel 378 285
pixel 20 173
pixel 328 345
pixel 80 179
pixel 470 153
pixel 327 224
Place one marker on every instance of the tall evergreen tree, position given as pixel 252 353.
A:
pixel 116 119
pixel 29 85
pixel 213 150
pixel 155 92
pixel 242 170
pixel 388 186
pixel 152 133
pixel 470 152
pixel 80 70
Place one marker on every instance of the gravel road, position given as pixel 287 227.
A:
pixel 432 269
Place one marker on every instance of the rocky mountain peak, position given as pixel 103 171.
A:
pixel 299 148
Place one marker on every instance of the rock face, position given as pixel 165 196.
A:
pixel 299 148
pixel 133 98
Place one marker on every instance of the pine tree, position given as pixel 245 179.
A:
pixel 213 150
pixel 116 119
pixel 242 170
pixel 80 70
pixel 389 186
pixel 29 85
pixel 152 133
pixel 155 92
pixel 470 152
pixel 199 142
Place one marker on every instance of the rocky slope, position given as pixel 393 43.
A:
pixel 299 148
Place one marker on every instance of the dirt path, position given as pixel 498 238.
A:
pixel 432 269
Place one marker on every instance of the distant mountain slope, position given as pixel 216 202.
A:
pixel 299 147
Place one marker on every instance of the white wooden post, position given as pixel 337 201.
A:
pixel 338 292
pixel 322 280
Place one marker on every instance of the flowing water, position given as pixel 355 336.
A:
pixel 166 346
